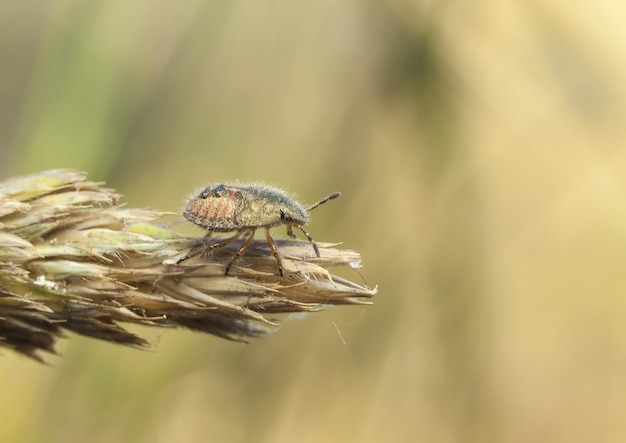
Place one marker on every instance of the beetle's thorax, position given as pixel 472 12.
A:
pixel 266 207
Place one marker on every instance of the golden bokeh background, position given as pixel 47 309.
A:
pixel 480 148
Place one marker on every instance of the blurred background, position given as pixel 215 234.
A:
pixel 479 147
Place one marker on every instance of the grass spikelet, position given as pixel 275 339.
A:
pixel 71 258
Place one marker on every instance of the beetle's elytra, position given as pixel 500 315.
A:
pixel 243 209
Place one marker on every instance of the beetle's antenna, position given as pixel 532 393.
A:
pixel 324 200
pixel 315 248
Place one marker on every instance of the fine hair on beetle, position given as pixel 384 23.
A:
pixel 244 208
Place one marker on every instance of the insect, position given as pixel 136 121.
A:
pixel 243 209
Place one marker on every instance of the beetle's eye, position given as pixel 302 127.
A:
pixel 204 194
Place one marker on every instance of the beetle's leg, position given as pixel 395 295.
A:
pixel 290 232
pixel 206 249
pixel 240 251
pixel 317 251
pixel 270 242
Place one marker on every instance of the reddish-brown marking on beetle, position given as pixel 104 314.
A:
pixel 243 209
pixel 213 210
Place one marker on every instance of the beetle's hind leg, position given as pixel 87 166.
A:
pixel 240 251
pixel 204 249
